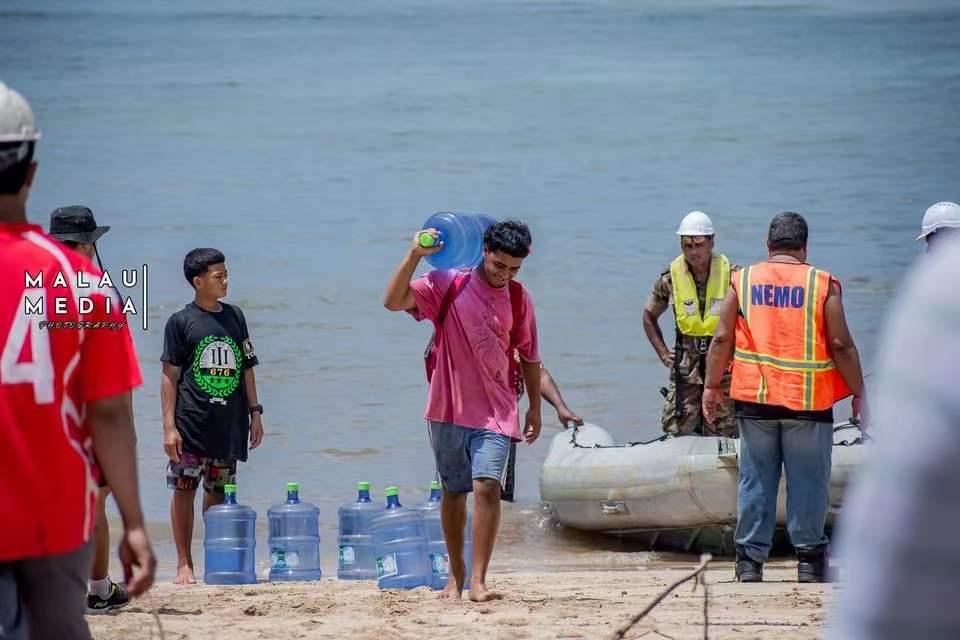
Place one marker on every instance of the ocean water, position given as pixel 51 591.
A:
pixel 308 140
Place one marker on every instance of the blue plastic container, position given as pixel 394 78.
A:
pixel 462 237
pixel 294 539
pixel 436 543
pixel 401 546
pixel 485 223
pixel 229 542
pixel 358 558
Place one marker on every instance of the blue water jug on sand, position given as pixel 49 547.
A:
pixel 401 546
pixel 358 559
pixel 462 237
pixel 229 542
pixel 436 544
pixel 294 539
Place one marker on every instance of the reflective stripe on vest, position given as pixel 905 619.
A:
pixel 686 302
pixel 781 356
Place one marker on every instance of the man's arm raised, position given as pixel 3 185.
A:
pixel 398 296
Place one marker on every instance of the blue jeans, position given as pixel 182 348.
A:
pixel 804 449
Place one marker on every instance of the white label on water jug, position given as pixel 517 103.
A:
pixel 347 555
pixel 280 559
pixel 440 563
pixel 387 565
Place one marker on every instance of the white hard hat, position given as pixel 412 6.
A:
pixel 943 215
pixel 17 123
pixel 696 223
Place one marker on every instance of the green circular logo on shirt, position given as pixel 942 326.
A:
pixel 216 367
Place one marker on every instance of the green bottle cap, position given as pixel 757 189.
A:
pixel 363 486
pixel 390 491
pixel 229 488
pixel 293 486
pixel 434 485
pixel 426 239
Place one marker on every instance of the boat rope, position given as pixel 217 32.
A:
pixel 577 445
pixel 853 423
pixel 698 575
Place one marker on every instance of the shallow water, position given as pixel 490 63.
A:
pixel 308 140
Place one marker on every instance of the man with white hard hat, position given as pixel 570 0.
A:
pixel 696 282
pixel 939 221
pixel 64 395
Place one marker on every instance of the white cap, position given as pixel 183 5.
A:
pixel 17 123
pixel 696 223
pixel 943 215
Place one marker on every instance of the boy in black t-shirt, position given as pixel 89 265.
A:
pixel 209 396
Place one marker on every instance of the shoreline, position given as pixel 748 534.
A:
pixel 536 605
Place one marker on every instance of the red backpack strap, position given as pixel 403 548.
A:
pixel 516 306
pixel 459 282
pixel 430 355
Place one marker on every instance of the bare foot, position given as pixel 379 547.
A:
pixel 480 593
pixel 185 575
pixel 451 591
pixel 454 588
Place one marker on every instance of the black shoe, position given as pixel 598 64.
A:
pixel 812 564
pixel 748 570
pixel 116 599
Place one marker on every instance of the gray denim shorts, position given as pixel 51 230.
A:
pixel 46 597
pixel 464 455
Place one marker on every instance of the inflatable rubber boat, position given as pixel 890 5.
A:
pixel 674 492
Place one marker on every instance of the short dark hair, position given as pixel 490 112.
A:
pixel 199 260
pixel 73 244
pixel 788 232
pixel 512 237
pixel 14 177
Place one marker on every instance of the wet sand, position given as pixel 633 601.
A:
pixel 564 604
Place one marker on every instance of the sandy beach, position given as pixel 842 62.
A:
pixel 565 604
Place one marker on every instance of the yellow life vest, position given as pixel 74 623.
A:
pixel 686 302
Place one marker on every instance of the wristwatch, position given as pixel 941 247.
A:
pixel 257 408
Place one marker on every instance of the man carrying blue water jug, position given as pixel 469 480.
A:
pixel 481 316
pixel 209 396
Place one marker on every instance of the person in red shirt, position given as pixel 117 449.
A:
pixel 65 382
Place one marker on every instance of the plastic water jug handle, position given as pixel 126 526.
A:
pixel 613 507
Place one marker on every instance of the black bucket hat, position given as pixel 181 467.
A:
pixel 75 223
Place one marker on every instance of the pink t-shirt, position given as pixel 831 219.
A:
pixel 471 383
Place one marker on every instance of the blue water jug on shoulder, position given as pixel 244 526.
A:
pixel 358 559
pixel 294 539
pixel 436 543
pixel 462 237
pixel 229 542
pixel 401 546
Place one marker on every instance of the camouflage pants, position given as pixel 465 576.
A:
pixel 691 419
